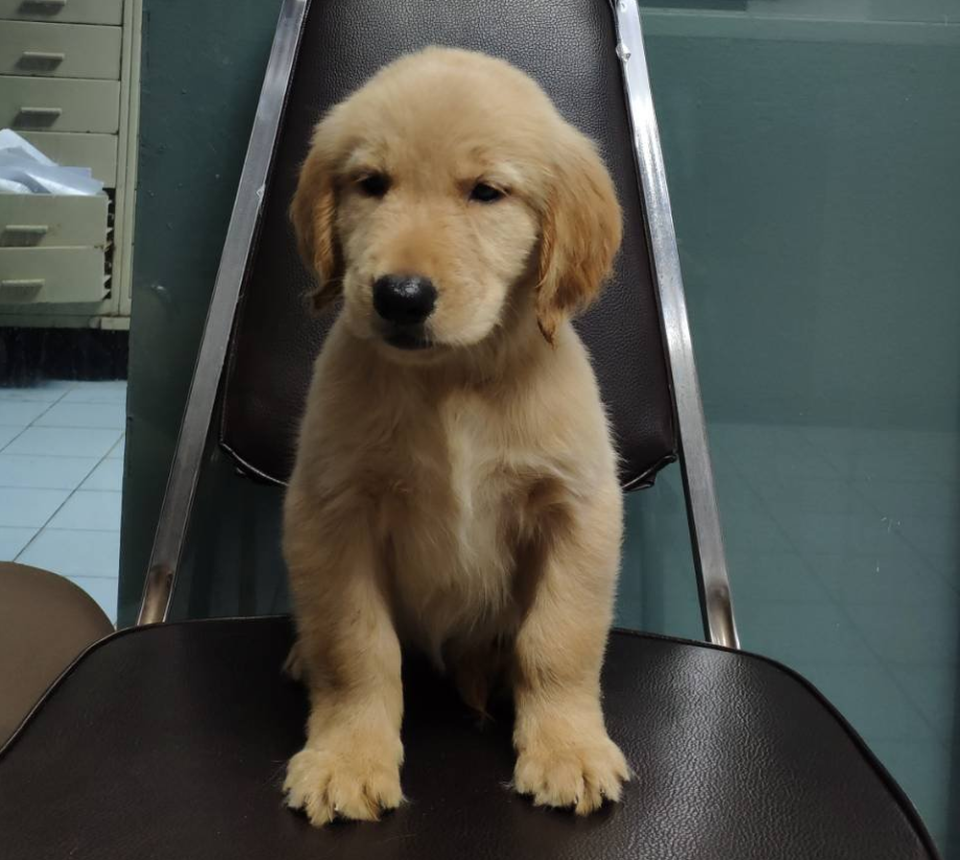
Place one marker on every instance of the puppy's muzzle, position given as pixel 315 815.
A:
pixel 404 303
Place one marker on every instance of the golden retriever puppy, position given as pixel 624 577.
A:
pixel 455 486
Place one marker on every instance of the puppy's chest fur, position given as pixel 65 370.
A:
pixel 456 509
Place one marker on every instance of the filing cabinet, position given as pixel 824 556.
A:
pixel 69 84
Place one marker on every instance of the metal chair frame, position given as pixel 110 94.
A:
pixel 702 511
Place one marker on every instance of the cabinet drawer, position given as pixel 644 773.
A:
pixel 96 151
pixel 68 11
pixel 48 104
pixel 45 275
pixel 28 220
pixel 59 50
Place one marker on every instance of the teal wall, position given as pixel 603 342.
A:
pixel 202 65
pixel 814 169
pixel 815 181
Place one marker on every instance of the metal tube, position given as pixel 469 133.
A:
pixel 185 472
pixel 702 513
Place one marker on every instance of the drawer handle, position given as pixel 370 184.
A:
pixel 27 229
pixel 40 111
pixel 32 229
pixel 23 234
pixel 53 5
pixel 20 289
pixel 38 115
pixel 21 283
pixel 41 59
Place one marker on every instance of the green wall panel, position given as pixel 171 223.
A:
pixel 203 63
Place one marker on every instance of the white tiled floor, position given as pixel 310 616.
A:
pixel 61 467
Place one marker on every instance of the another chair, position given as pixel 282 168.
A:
pixel 170 740
pixel 46 621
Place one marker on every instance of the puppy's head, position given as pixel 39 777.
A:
pixel 445 195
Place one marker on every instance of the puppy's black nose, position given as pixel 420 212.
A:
pixel 404 299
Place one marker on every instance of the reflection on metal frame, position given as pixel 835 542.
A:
pixel 185 472
pixel 702 512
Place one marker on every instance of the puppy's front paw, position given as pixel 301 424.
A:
pixel 328 783
pixel 572 773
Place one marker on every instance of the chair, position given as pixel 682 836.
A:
pixel 170 739
pixel 45 622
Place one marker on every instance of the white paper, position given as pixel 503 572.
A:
pixel 24 169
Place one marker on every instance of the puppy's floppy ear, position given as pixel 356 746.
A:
pixel 313 212
pixel 581 233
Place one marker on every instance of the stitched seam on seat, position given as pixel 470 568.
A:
pixel 648 477
pixel 251 471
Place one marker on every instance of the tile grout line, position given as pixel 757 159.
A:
pixel 14 439
pixel 45 411
pixel 115 445
pixel 930 568
pixel 881 662
pixel 59 457
pixel 70 495
pixel 70 456
pixel 62 426
pixel 841 606
pixel 757 498
pixel 42 528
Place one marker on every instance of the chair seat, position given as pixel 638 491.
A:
pixel 171 741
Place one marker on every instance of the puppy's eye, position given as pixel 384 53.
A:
pixel 374 185
pixel 484 193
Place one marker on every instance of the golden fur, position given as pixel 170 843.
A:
pixel 464 497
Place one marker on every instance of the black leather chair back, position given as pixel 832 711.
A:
pixel 566 45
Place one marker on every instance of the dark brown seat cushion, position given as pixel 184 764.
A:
pixel 170 742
